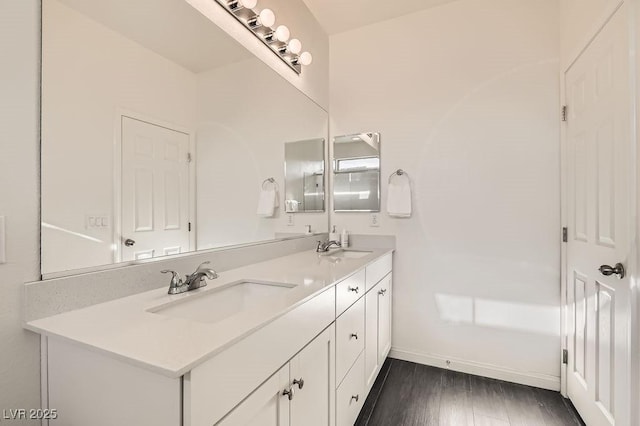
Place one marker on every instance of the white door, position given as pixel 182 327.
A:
pixel 155 191
pixel 314 387
pixel 598 184
pixel 371 357
pixel 266 406
pixel 384 318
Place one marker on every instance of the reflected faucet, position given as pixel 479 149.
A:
pixel 191 282
pixel 324 247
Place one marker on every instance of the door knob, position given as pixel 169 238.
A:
pixel 129 242
pixel 300 382
pixel 608 270
pixel 288 393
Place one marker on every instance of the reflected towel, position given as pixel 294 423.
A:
pixel 267 202
pixel 399 199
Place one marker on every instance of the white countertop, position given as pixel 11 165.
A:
pixel 124 328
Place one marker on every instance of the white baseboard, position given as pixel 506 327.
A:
pixel 543 381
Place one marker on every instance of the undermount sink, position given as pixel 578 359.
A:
pixel 347 254
pixel 220 303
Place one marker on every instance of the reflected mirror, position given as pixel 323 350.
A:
pixel 304 176
pixel 158 130
pixel 356 173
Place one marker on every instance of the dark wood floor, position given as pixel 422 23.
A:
pixel 412 394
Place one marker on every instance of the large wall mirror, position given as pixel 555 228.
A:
pixel 356 173
pixel 158 130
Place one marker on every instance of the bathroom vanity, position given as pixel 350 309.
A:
pixel 295 340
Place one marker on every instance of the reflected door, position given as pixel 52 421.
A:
pixel 155 191
pixel 598 183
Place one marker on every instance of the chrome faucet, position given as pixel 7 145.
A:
pixel 191 282
pixel 324 247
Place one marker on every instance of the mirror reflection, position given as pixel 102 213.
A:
pixel 304 176
pixel 158 130
pixel 356 172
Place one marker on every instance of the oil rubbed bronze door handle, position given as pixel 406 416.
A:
pixel 618 270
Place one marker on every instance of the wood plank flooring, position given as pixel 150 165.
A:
pixel 408 394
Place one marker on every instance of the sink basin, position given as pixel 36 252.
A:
pixel 347 254
pixel 217 304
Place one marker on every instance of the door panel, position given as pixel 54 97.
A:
pixel 384 317
pixel 155 190
pixel 312 404
pixel 371 336
pixel 598 183
pixel 266 406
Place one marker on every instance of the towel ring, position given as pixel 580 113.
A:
pixel 399 172
pixel 271 181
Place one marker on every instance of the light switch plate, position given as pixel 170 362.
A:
pixel 3 241
pixel 290 220
pixel 374 220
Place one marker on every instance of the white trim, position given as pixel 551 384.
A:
pixel 572 57
pixel 543 381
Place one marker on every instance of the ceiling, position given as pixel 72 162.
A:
pixel 337 16
pixel 171 28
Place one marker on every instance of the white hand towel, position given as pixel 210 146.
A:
pixel 399 199
pixel 267 202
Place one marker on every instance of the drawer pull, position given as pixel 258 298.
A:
pixel 354 335
pixel 300 382
pixel 288 393
pixel 382 292
pixel 354 289
pixel 356 397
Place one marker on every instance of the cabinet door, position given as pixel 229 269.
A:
pixel 266 406
pixel 314 388
pixel 384 317
pixel 371 336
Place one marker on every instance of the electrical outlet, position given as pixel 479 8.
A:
pixel 95 221
pixel 290 220
pixel 374 220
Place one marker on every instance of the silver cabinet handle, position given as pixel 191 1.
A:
pixel 356 397
pixel 300 382
pixel 129 242
pixel 607 270
pixel 288 393
pixel 382 292
pixel 354 289
pixel 354 335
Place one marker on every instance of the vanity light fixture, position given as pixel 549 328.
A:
pixel 261 23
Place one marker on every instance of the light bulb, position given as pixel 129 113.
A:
pixel 282 33
pixel 249 4
pixel 294 46
pixel 305 58
pixel 267 17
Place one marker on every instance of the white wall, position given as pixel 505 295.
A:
pixel 19 114
pixel 228 190
pixel 465 96
pixel 90 75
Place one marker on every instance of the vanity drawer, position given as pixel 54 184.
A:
pixel 349 290
pixel 349 338
pixel 377 270
pixel 350 395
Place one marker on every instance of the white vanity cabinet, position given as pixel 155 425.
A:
pixel 312 365
pixel 300 393
pixel 363 336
